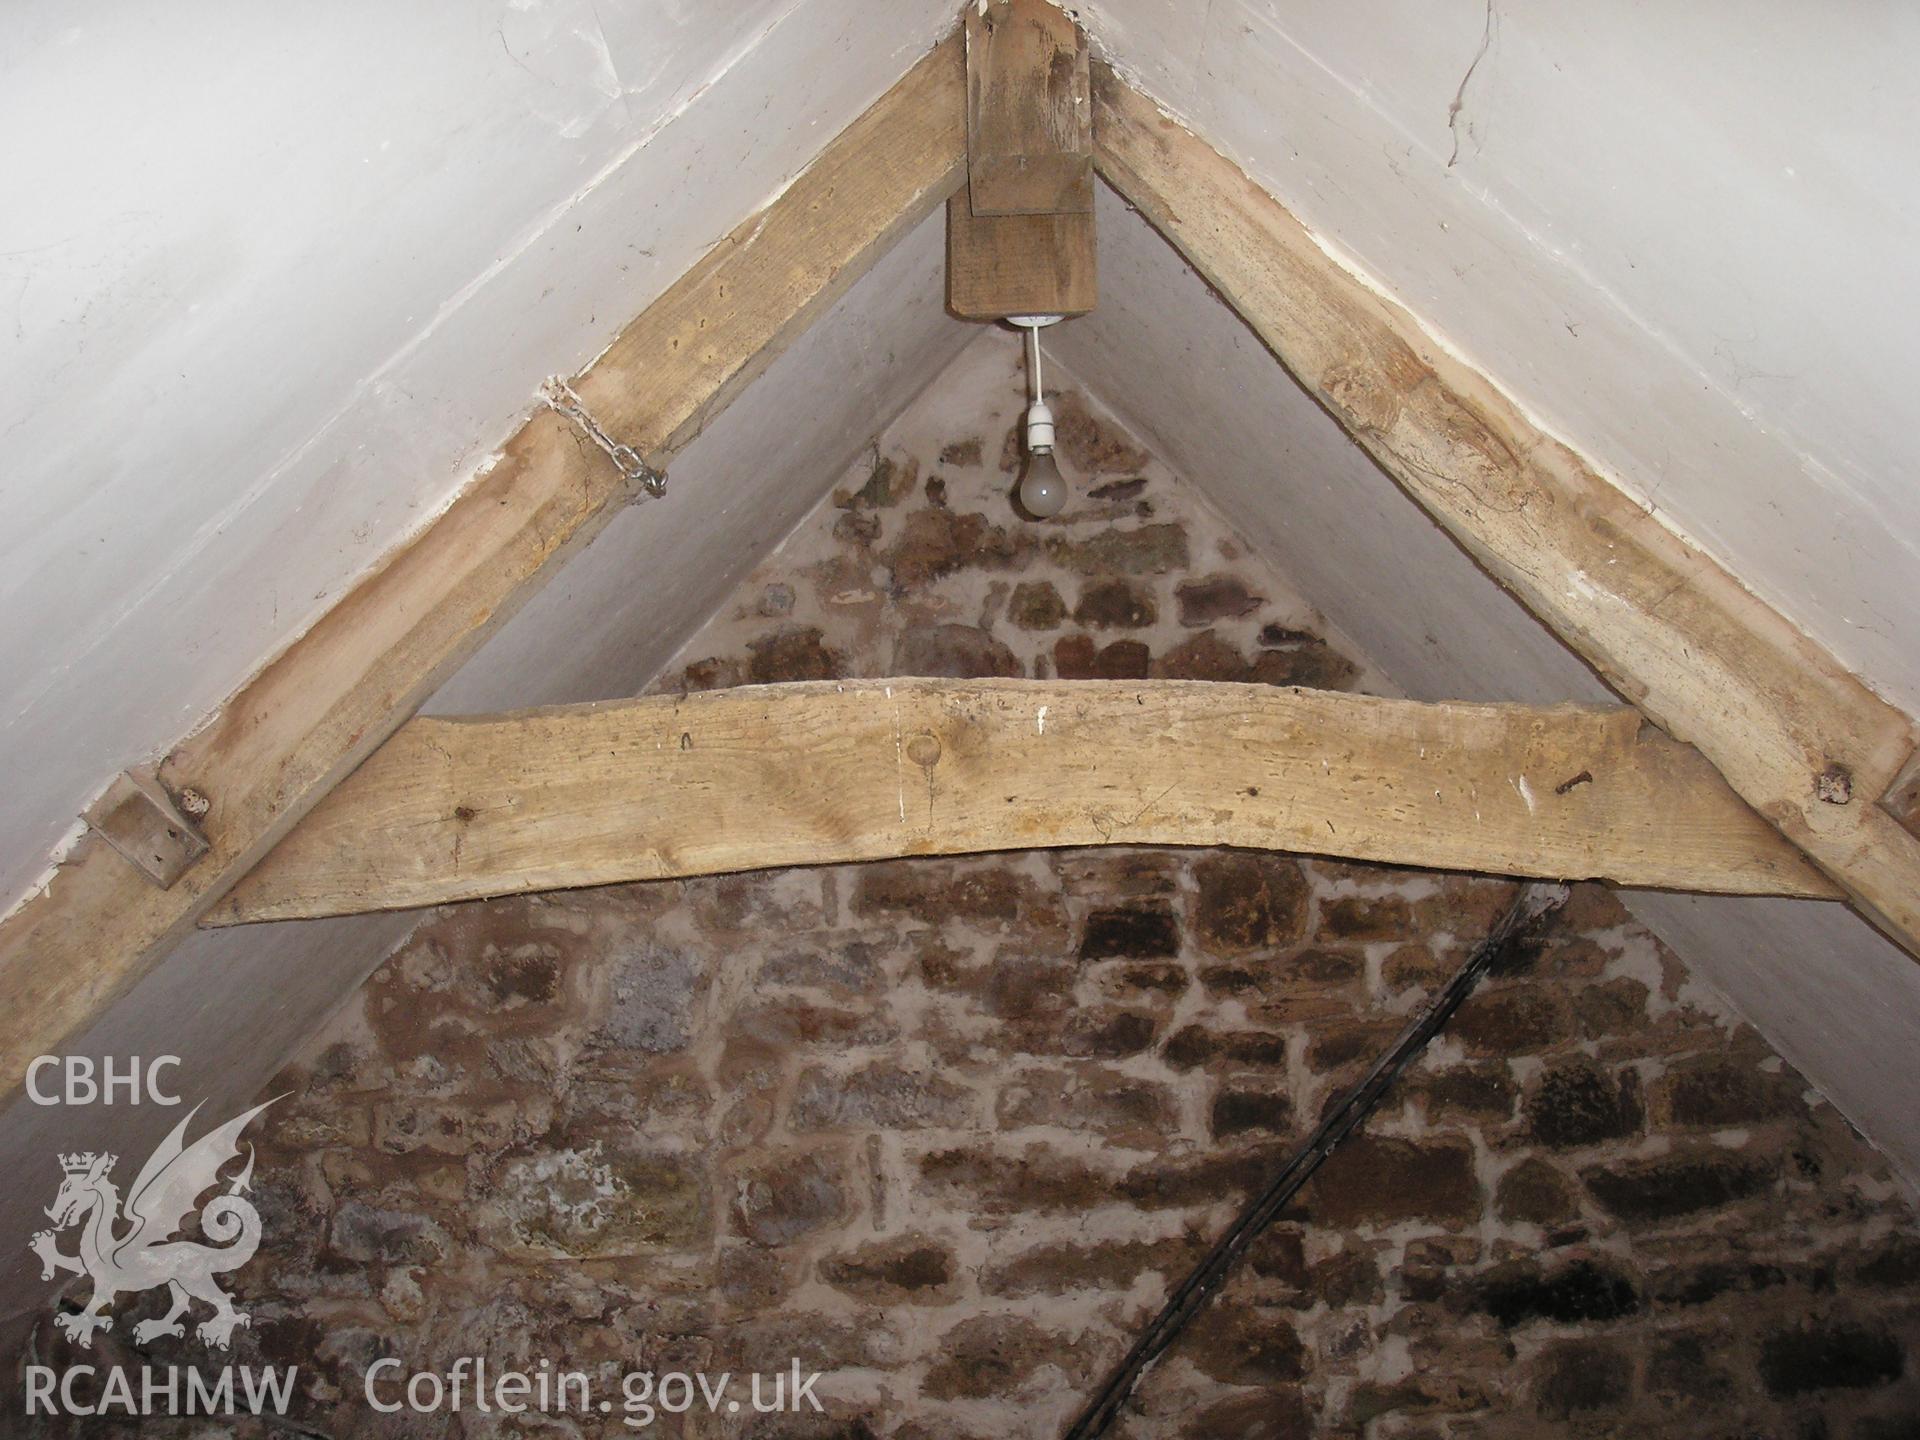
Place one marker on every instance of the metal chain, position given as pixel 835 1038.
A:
pixel 559 397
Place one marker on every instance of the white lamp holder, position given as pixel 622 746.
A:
pixel 1039 416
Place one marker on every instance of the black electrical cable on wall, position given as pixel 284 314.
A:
pixel 1532 905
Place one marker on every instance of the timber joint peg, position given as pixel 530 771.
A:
pixel 1834 784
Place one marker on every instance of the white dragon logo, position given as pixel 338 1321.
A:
pixel 144 1256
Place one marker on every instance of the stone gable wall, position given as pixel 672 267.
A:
pixel 949 1129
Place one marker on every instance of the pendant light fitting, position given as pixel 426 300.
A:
pixel 1042 490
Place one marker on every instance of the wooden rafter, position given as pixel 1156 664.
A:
pixel 1804 742
pixel 826 772
pixel 311 716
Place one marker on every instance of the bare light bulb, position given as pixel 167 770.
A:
pixel 1043 489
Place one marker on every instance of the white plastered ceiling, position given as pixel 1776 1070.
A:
pixel 251 350
pixel 275 278
pixel 1686 237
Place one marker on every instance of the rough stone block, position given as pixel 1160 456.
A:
pixel 1119 493
pixel 888 482
pixel 776 1199
pixel 883 1095
pixel 1345 1278
pixel 796 652
pixel 1614 1008
pixel 1650 1191
pixel 590 1200
pixel 1139 932
pixel 936 892
pixel 904 1270
pixel 1415 967
pixel 1239 1345
pixel 1380 1181
pixel 1715 1092
pixel 1204 657
pixel 828 961
pixel 651 993
pixel 1162 981
pixel 1246 902
pixel 1323 965
pixel 768 1344
pixel 371 1234
pixel 752 1279
pixel 1576 1103
pixel 1176 1182
pixel 1473 1091
pixel 1337 1047
pixel 1105 1034
pixel 1195 1045
pixel 1586 1289
pixel 1088 1098
pixel 1365 917
pixel 857 529
pixel 1710 1279
pixel 1314 666
pixel 1237 1111
pixel 764 902
pixel 1687 1366
pixel 1534 1193
pixel 1423 1394
pixel 934 542
pixel 1512 1021
pixel 1112 873
pixel 1592 907
pixel 1211 598
pixel 1464 907
pixel 957 652
pixel 1893 1264
pixel 992 1356
pixel 445 1127
pixel 1109 1266
pixel 1115 605
pixel 992 1183
pixel 1076 657
pixel 1144 550
pixel 780 1022
pixel 1036 605
pixel 964 453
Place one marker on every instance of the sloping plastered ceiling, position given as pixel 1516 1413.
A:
pixel 247 359
pixel 274 279
pixel 1684 235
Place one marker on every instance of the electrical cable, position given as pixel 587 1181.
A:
pixel 1534 903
